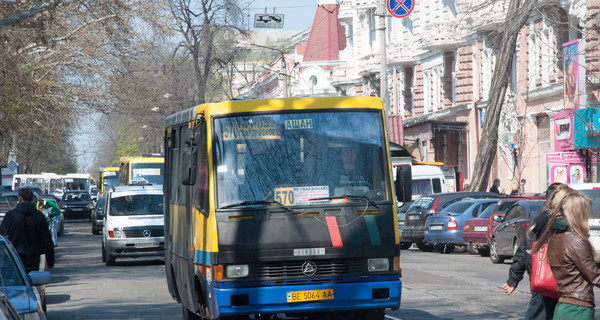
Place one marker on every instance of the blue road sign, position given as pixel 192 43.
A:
pixel 400 8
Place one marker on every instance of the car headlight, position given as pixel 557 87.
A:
pixel 117 234
pixel 237 271
pixel 31 316
pixel 63 206
pixel 378 264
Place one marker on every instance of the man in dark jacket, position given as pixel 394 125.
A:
pixel 540 307
pixel 27 229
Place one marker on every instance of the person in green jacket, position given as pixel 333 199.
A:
pixel 54 215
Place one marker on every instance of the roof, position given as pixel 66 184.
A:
pixel 139 189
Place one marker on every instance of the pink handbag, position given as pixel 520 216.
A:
pixel 542 279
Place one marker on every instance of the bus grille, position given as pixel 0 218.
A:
pixel 293 269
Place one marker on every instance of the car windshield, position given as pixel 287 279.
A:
pixel 458 207
pixel 594 195
pixel 131 205
pixel 486 213
pixel 94 192
pixel 300 158
pixel 8 202
pixel 100 204
pixel 77 196
pixel 422 203
pixel 10 275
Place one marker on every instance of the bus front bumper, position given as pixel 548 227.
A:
pixel 274 299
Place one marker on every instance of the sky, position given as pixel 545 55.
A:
pixel 297 15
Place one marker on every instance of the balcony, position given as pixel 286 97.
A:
pixel 443 36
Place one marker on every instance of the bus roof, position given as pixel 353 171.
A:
pixel 241 106
pixel 109 169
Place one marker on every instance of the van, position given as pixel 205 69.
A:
pixel 592 191
pixel 133 223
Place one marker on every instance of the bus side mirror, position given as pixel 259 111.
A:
pixel 188 172
pixel 403 183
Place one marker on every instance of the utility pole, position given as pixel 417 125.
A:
pixel 383 94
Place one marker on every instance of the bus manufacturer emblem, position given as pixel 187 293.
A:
pixel 146 233
pixel 309 268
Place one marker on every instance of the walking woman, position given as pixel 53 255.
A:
pixel 571 255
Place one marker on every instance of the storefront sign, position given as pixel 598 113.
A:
pixel 553 158
pixel 563 131
pixel 564 158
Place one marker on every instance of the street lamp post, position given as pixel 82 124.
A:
pixel 283 65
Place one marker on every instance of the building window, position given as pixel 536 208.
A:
pixel 487 67
pixel 426 93
pixel 407 92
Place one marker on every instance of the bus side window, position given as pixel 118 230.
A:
pixel 174 162
pixel 200 194
pixel 437 185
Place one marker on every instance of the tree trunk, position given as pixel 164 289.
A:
pixel 517 16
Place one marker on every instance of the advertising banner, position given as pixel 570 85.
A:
pixel 585 128
pixel 574 79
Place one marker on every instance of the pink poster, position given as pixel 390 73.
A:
pixel 559 174
pixel 576 173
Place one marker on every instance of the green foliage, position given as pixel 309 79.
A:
pixel 130 141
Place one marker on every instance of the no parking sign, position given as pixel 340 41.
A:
pixel 400 8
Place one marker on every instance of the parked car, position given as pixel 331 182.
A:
pixel 444 230
pixel 37 191
pixel 502 206
pixel 19 287
pixel 426 205
pixel 8 201
pixel 592 191
pixel 77 204
pixel 133 223
pixel 404 245
pixel 512 230
pixel 7 310
pixel 61 223
pixel 475 233
pixel 98 216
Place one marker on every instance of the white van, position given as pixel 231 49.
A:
pixel 592 191
pixel 133 223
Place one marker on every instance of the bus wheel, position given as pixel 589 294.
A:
pixel 188 315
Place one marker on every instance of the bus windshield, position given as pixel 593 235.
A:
pixel 300 158
pixel 110 179
pixel 147 173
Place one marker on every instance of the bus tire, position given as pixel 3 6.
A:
pixel 188 315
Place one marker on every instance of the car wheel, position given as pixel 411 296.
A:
pixel 494 252
pixel 485 252
pixel 188 315
pixel 405 245
pixel 471 249
pixel 103 253
pixel 424 247
pixel 445 248
pixel 110 260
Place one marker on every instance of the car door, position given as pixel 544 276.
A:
pixel 504 231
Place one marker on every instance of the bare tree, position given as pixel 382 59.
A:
pixel 517 15
pixel 209 29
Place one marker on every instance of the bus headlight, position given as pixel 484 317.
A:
pixel 378 264
pixel 237 271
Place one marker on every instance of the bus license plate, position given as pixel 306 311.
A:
pixel 310 295
pixel 146 245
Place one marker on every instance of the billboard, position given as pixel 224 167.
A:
pixel 574 74
pixel 563 131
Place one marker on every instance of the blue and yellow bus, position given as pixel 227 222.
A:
pixel 281 206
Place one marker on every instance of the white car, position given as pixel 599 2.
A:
pixel 592 191
pixel 134 223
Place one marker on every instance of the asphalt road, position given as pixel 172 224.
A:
pixel 435 286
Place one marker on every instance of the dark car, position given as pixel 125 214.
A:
pixel 475 233
pixel 444 230
pixel 426 205
pixel 512 230
pixel 404 245
pixel 503 205
pixel 37 191
pixel 98 216
pixel 77 204
pixel 8 201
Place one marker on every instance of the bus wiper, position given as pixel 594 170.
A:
pixel 348 197
pixel 256 202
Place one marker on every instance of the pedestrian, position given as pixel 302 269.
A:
pixel 495 186
pixel 571 257
pixel 540 307
pixel 522 187
pixel 54 216
pixel 27 229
